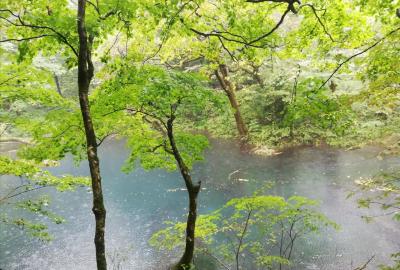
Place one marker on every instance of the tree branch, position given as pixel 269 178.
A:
pixel 358 54
pixel 319 20
pixel 241 238
pixel 364 266
pixel 27 38
pixel 22 23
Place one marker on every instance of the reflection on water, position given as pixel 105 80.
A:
pixel 139 202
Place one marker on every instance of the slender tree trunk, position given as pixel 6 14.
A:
pixel 58 86
pixel 85 74
pixel 193 191
pixel 228 87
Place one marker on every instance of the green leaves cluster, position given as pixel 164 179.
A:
pixel 39 177
pixel 34 178
pixel 262 227
pixel 383 192
pixel 147 97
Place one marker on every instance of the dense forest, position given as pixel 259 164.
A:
pixel 200 134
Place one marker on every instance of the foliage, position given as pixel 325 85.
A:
pixel 157 60
pixel 146 97
pixel 35 178
pixel 384 191
pixel 33 227
pixel 264 228
pixel 39 177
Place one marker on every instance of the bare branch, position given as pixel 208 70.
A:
pixel 97 9
pixel 105 137
pixel 273 29
pixel 289 2
pixel 207 252
pixel 166 30
pixel 20 193
pixel 25 39
pixel 319 20
pixel 241 238
pixel 364 266
pixel 226 49
pixel 358 54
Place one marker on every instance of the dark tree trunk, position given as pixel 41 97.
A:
pixel 193 191
pixel 58 86
pixel 229 89
pixel 85 74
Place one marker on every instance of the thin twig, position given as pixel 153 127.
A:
pixel 364 266
pixel 358 54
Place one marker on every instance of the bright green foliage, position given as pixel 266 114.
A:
pixel 26 93
pixel 200 35
pixel 386 193
pixel 250 226
pixel 383 191
pixel 146 97
pixel 48 21
pixel 38 176
pixel 47 29
pixel 377 106
pixel 317 114
pixel 34 228
pixel 35 178
pixel 136 100
pixel 381 10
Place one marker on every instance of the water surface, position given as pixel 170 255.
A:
pixel 139 202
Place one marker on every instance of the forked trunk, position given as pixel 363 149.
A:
pixel 85 74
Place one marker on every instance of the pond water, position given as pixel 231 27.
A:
pixel 138 203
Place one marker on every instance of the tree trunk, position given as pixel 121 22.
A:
pixel 228 87
pixel 85 74
pixel 193 191
pixel 58 86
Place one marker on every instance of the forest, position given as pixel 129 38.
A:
pixel 200 134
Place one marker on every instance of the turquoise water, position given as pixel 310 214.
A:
pixel 138 203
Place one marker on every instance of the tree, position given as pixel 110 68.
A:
pixel 32 24
pixel 157 99
pixel 24 94
pixel 222 75
pixel 221 40
pixel 262 228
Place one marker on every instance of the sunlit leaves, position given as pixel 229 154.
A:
pixel 38 176
pixel 266 217
pixel 146 97
pixel 384 193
